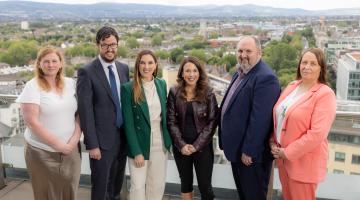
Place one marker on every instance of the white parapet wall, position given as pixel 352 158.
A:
pixel 336 186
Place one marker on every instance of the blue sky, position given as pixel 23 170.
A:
pixel 305 4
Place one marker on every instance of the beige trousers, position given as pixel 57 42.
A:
pixel 148 182
pixel 54 176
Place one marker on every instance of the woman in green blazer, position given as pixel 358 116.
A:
pixel 144 107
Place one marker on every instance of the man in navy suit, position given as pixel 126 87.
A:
pixel 246 120
pixel 98 92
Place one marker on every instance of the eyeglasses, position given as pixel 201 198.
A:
pixel 106 46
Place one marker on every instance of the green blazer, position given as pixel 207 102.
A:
pixel 137 119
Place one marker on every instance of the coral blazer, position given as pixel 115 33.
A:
pixel 304 133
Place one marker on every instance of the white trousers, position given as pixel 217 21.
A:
pixel 148 182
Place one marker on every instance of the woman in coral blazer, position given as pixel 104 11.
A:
pixel 302 120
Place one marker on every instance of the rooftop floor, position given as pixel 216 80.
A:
pixel 21 189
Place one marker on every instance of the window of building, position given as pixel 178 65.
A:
pixel 341 138
pixel 340 156
pixel 338 171
pixel 354 173
pixel 351 92
pixel 355 159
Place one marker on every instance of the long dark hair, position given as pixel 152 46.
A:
pixel 137 76
pixel 320 57
pixel 202 85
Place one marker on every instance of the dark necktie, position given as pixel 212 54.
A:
pixel 115 94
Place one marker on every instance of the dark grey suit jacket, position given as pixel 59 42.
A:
pixel 96 105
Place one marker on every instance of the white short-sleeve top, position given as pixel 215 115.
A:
pixel 57 112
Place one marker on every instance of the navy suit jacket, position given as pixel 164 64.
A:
pixel 96 105
pixel 247 122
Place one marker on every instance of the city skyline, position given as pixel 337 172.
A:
pixel 305 4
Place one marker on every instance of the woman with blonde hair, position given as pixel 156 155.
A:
pixel 144 107
pixel 48 104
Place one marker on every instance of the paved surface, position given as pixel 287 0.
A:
pixel 21 189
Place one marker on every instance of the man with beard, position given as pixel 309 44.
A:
pixel 98 92
pixel 246 120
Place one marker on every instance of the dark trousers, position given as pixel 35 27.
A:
pixel 203 162
pixel 107 174
pixel 251 182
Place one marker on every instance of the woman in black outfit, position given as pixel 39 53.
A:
pixel 192 112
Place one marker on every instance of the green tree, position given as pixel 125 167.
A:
pixel 27 75
pixel 307 32
pixel 123 52
pixel 89 50
pixel 283 58
pixel 156 40
pixel 159 71
pixel 5 44
pixel 176 55
pixel 230 61
pixel 178 38
pixel 214 60
pixel 285 76
pixel 138 34
pixel 73 51
pixel 280 55
pixel 153 29
pixel 221 51
pixel 86 49
pixel 198 53
pixel 179 59
pixel 213 35
pixel 286 38
pixel 198 42
pixel 20 52
pixel 132 43
pixel 296 42
pixel 69 71
pixel 309 35
pixel 162 54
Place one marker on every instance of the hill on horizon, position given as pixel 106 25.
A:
pixel 20 10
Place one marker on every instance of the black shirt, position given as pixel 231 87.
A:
pixel 189 134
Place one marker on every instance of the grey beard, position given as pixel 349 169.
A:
pixel 246 67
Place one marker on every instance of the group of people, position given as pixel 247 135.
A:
pixel 140 120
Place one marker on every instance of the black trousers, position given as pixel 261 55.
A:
pixel 252 181
pixel 107 174
pixel 203 162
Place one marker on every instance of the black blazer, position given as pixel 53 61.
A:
pixel 96 105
